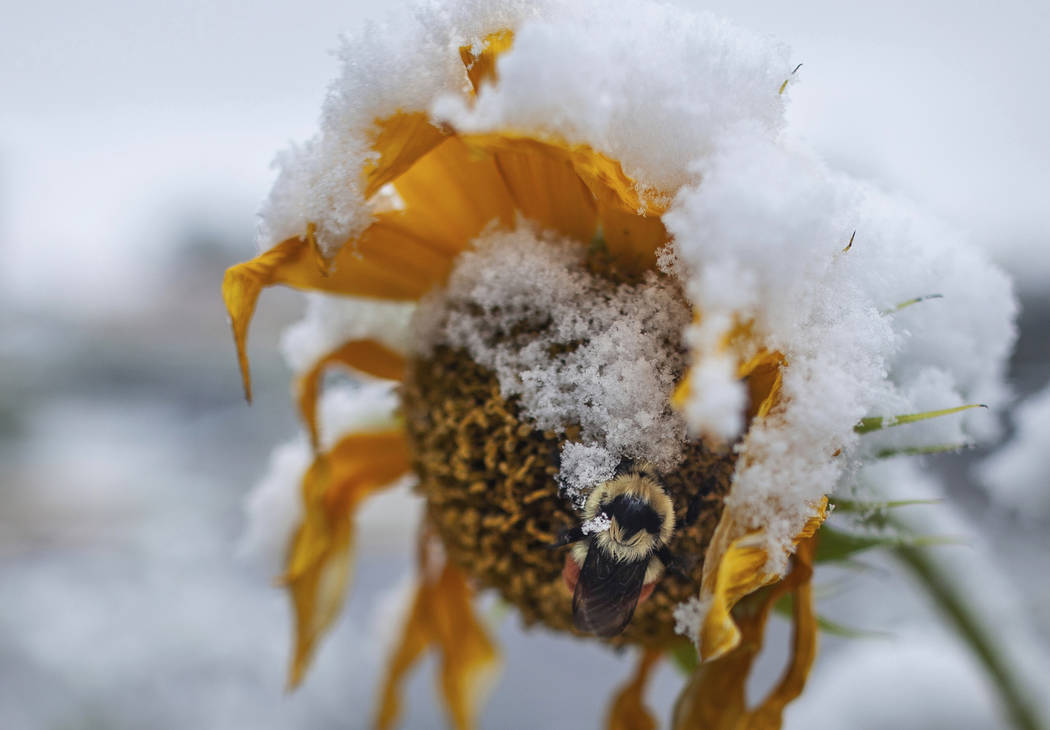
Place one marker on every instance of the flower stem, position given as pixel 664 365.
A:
pixel 947 598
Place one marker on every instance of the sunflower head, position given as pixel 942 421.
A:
pixel 630 354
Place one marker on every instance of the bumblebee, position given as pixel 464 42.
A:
pixel 619 551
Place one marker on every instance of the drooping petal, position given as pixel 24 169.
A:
pixel 365 356
pixel 442 617
pixel 386 262
pixel 320 557
pixel 770 711
pixel 738 573
pixel 414 641
pixel 734 566
pixel 628 710
pixel 715 696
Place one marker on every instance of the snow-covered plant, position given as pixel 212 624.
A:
pixel 578 238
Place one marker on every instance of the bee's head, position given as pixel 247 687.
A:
pixel 639 510
pixel 632 514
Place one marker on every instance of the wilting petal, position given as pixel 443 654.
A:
pixel 628 710
pixel 481 64
pixel 386 262
pixel 443 616
pixel 738 573
pixel 734 566
pixel 320 558
pixel 366 356
pixel 715 696
pixel 803 644
pixel 415 639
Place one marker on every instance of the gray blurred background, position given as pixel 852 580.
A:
pixel 135 142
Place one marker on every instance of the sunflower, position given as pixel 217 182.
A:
pixel 585 287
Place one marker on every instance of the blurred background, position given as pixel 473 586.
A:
pixel 135 142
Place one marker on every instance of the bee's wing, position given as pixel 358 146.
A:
pixel 606 593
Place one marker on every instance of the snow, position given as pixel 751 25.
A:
pixel 1017 475
pixel 622 357
pixel 598 523
pixel 689 105
pixel 331 321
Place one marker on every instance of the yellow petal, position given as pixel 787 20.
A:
pixel 739 573
pixel 632 239
pixel 610 185
pixel 734 566
pixel 543 184
pixel 366 356
pixel 764 375
pixel 770 711
pixel 481 64
pixel 451 195
pixel 320 556
pixel 628 711
pixel 715 696
pixel 442 617
pixel 401 139
pixel 467 654
pixel 415 639
pixel 386 262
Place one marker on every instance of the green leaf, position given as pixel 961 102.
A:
pixel 875 423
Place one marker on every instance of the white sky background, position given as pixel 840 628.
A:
pixel 118 119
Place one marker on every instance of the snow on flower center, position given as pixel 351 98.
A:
pixel 579 348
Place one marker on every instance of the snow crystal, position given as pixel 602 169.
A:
pixel 577 348
pixel 585 465
pixel 599 523
pixel 1017 474
pixel 689 616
